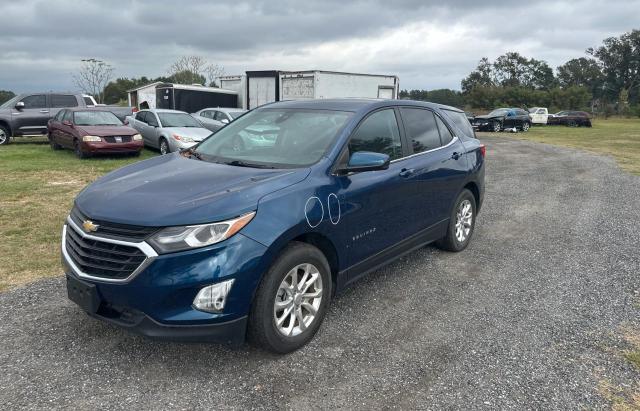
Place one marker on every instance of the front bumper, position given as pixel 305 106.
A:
pixel 97 147
pixel 157 300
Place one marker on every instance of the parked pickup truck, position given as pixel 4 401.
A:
pixel 28 114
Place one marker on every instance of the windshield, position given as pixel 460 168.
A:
pixel 499 112
pixel 275 138
pixel 177 120
pixel 10 103
pixel 95 118
pixel 235 114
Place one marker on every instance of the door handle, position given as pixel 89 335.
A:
pixel 406 172
pixel 455 155
pixel 44 111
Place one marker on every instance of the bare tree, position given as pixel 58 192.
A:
pixel 93 77
pixel 192 69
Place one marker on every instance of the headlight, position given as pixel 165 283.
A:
pixel 183 138
pixel 173 239
pixel 137 137
pixel 213 297
pixel 91 138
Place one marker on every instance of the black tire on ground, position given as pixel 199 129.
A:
pixel 496 126
pixel 5 135
pixel 262 330
pixel 450 242
pixel 78 150
pixel 525 126
pixel 572 123
pixel 54 145
pixel 164 146
pixel 135 154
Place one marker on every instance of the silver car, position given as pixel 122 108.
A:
pixel 168 130
pixel 216 118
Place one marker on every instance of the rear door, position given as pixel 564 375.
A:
pixel 435 171
pixel 60 101
pixel 66 131
pixel 33 117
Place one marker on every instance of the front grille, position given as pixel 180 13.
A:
pixel 112 139
pixel 125 232
pixel 101 259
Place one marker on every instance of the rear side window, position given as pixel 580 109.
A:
pixel 35 101
pixel 461 121
pixel 141 116
pixel 420 126
pixel 445 134
pixel 378 133
pixel 67 115
pixel 58 117
pixel 63 100
pixel 88 101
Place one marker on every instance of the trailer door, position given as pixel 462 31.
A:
pixel 385 92
pixel 262 90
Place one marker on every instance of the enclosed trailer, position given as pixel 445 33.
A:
pixel 317 84
pixel 143 95
pixel 262 87
pixel 193 98
pixel 237 83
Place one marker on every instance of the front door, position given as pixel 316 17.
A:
pixel 33 117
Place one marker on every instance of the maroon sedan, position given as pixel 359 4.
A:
pixel 91 131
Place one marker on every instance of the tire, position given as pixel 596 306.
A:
pixel 572 123
pixel 5 135
pixel 525 126
pixel 53 144
pixel 263 330
pixel 78 150
pixel 496 126
pixel 135 154
pixel 451 241
pixel 164 146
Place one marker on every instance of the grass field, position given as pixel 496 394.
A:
pixel 37 187
pixel 619 138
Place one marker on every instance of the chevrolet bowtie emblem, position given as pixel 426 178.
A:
pixel 89 226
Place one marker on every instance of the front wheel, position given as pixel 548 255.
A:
pixel 164 146
pixel 526 126
pixel 292 300
pixel 496 126
pixel 461 223
pixel 78 150
pixel 53 144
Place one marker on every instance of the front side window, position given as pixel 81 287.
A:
pixel 63 100
pixel 35 101
pixel 95 118
pixel 422 131
pixel 220 116
pixel 378 133
pixel 275 138
pixel 177 120
pixel 207 114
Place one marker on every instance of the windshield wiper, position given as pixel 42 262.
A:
pixel 240 163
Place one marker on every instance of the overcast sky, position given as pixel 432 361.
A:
pixel 428 44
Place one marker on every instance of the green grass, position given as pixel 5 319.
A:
pixel 619 138
pixel 37 187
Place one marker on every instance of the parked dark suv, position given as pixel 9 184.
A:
pixel 570 119
pixel 217 241
pixel 502 119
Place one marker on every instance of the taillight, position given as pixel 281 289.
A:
pixel 483 150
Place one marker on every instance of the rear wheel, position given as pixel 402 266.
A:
pixel 572 123
pixel 53 144
pixel 292 300
pixel 461 223
pixel 164 146
pixel 5 135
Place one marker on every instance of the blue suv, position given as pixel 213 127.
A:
pixel 251 232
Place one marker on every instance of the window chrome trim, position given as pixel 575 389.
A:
pixel 142 246
pixel 453 140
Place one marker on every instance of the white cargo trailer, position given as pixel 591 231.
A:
pixel 261 87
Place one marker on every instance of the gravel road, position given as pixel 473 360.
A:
pixel 529 316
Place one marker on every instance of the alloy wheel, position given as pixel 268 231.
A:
pixel 496 127
pixel 3 136
pixel 298 300
pixel 164 149
pixel 525 127
pixel 464 219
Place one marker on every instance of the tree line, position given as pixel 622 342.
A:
pixel 606 81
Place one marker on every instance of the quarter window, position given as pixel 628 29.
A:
pixel 421 129
pixel 63 100
pixel 378 133
pixel 445 134
pixel 460 119
pixel 35 101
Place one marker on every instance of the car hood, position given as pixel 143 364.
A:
pixel 174 190
pixel 486 117
pixel 107 130
pixel 196 133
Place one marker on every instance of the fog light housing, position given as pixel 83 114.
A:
pixel 212 298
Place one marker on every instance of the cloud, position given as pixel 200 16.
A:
pixel 429 45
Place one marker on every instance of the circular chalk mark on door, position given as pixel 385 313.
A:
pixel 313 211
pixel 333 205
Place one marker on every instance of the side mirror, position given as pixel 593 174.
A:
pixel 67 123
pixel 367 161
pixel 20 105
